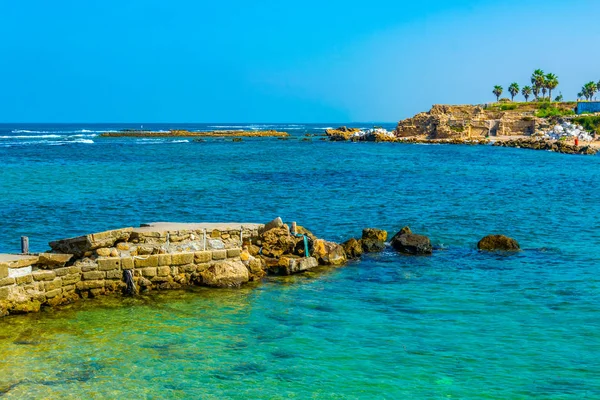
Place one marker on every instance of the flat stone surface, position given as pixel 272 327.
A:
pixel 18 260
pixel 195 226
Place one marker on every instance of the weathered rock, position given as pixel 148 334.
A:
pixel 225 274
pixel 82 244
pixel 353 248
pixel 329 253
pixel 54 260
pixel 408 243
pixel 374 234
pixel 498 242
pixel 276 223
pixel 373 240
pixel 103 252
pixel 278 241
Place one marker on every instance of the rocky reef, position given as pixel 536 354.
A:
pixel 184 133
pixel 540 143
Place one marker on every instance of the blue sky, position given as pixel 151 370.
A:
pixel 280 61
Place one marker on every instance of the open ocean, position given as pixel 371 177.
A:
pixel 457 325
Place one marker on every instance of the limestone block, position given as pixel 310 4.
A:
pixel 164 271
pixel 71 279
pixel 20 280
pixel 22 271
pixel 62 271
pixel 43 275
pixel 219 254
pixel 3 270
pixel 109 264
pixel 55 284
pixel 103 252
pixel 87 285
pixel 164 259
pixel 215 234
pixel 114 274
pixel 81 244
pixel 123 246
pixel 150 271
pixel 4 292
pixel 225 274
pixel 7 281
pixel 54 260
pixel 23 261
pixel 94 275
pixel 202 267
pixel 146 261
pixel 182 258
pixel 68 289
pixel 159 279
pixel 53 293
pixel 202 256
pixel 233 253
pixel 127 263
pixel 188 268
pixel 74 270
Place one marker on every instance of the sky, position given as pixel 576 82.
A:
pixel 281 61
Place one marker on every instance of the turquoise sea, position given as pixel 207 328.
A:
pixel 457 325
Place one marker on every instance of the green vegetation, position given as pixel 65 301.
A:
pixel 590 123
pixel 497 92
pixel 507 107
pixel 513 89
pixel 547 110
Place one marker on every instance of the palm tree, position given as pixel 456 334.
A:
pixel 598 86
pixel 526 92
pixel 513 89
pixel 497 92
pixel 551 84
pixel 580 95
pixel 544 91
pixel 588 90
pixel 537 80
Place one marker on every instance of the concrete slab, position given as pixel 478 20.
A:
pixel 18 260
pixel 194 226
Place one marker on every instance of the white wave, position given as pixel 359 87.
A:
pixel 86 141
pixel 31 137
pixel 180 141
pixel 82 135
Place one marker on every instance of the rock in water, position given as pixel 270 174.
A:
pixel 408 243
pixel 498 242
pixel 329 253
pixel 225 274
pixel 373 240
pixel 353 248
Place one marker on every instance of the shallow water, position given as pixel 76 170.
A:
pixel 458 324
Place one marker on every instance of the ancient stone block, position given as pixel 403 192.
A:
pixel 159 279
pixel 61 271
pixel 53 293
pixel 146 261
pixel 188 268
pixel 127 263
pixel 97 292
pixel 87 265
pixel 74 270
pixel 202 256
pixel 94 275
pixel 164 271
pixel 3 270
pixel 151 271
pixel 215 234
pixel 123 246
pixel 7 281
pixel 4 291
pixel 182 258
pixel 23 279
pixel 68 289
pixel 55 284
pixel 109 264
pixel 219 254
pixel 54 260
pixel 114 274
pixel 43 275
pixel 233 253
pixel 87 285
pixel 71 279
pixel 164 259
pixel 202 267
pixel 81 244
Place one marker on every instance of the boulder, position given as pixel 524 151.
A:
pixel 353 248
pixel 225 274
pixel 278 241
pixel 53 260
pixel 276 223
pixel 498 242
pixel 408 243
pixel 329 253
pixel 373 240
pixel 374 234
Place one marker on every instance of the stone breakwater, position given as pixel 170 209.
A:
pixel 162 256
pixel 184 133
pixel 559 146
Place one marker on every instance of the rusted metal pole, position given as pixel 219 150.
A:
pixel 294 230
pixel 24 245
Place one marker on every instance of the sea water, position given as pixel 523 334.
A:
pixel 458 324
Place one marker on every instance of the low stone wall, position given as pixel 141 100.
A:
pixel 159 256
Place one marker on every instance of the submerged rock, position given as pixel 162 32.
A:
pixel 225 274
pixel 408 243
pixel 498 242
pixel 329 253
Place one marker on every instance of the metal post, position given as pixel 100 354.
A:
pixel 294 229
pixel 24 245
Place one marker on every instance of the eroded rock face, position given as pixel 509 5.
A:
pixel 78 246
pixel 408 243
pixel 373 240
pixel 498 242
pixel 329 253
pixel 225 274
pixel 353 248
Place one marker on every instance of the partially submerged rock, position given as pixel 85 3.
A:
pixel 373 240
pixel 225 274
pixel 353 248
pixel 329 253
pixel 498 243
pixel 408 243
